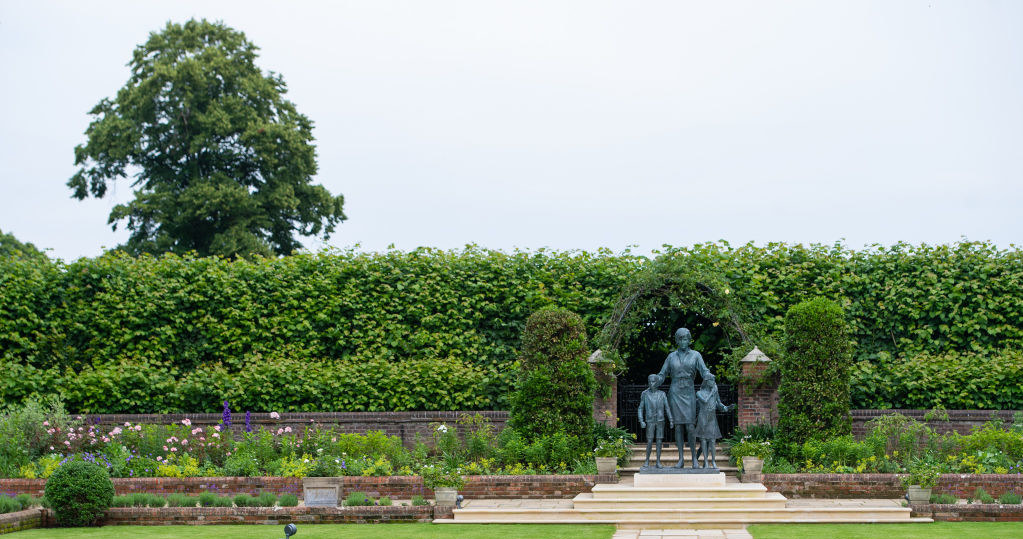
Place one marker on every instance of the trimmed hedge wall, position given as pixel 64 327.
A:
pixel 159 326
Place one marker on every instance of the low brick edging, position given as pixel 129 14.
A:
pixel 22 520
pixel 405 425
pixel 989 512
pixel 148 516
pixel 395 486
pixel 885 485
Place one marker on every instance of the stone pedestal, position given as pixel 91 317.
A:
pixel 695 478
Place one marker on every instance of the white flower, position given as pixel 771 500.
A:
pixel 442 428
pixel 186 422
pixel 275 415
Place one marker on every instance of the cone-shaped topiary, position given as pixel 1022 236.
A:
pixel 555 386
pixel 79 493
pixel 814 390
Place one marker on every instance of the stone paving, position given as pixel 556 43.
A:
pixel 682 533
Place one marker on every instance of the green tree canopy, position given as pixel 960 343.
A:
pixel 10 246
pixel 222 163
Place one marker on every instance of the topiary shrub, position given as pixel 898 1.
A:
pixel 555 386
pixel 79 493
pixel 814 389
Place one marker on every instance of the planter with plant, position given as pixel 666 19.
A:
pixel 750 455
pixel 445 484
pixel 609 452
pixel 920 480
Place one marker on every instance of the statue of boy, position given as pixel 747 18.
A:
pixel 708 403
pixel 653 408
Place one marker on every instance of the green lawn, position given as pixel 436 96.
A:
pixel 330 531
pixel 937 530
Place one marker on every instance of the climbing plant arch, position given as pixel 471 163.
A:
pixel 675 282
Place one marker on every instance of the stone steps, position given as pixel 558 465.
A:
pixel 620 491
pixel 587 500
pixel 687 518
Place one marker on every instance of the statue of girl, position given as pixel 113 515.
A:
pixel 707 431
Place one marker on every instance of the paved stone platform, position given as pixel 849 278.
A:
pixel 683 534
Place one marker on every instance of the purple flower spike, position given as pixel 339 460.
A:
pixel 248 421
pixel 227 415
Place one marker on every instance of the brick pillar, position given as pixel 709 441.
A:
pixel 605 409
pixel 758 396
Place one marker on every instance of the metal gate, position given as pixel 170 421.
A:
pixel 628 404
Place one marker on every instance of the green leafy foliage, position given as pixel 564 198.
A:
pixel 556 384
pixel 287 500
pixel 11 247
pixel 189 324
pixel 814 390
pixel 79 493
pixel 224 161
pixel 346 331
pixel 953 380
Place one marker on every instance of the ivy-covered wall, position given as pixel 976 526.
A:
pixel 431 329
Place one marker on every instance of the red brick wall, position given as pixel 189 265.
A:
pixel 402 424
pixel 961 421
pixel 403 487
pixel 884 485
pixel 970 513
pixel 758 397
pixel 146 516
pixel 21 520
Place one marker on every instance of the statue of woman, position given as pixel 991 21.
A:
pixel 682 365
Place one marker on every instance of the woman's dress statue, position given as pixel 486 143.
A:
pixel 682 365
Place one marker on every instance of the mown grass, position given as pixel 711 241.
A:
pixel 936 530
pixel 331 531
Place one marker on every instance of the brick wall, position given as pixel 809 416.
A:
pixel 401 487
pixel 758 396
pixel 961 421
pixel 885 485
pixel 21 520
pixel 402 424
pixel 145 516
pixel 970 513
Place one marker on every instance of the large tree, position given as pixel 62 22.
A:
pixel 221 162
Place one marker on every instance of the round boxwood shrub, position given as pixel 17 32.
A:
pixel 79 493
pixel 555 387
pixel 814 390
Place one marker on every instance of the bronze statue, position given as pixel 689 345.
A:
pixel 708 403
pixel 682 365
pixel 653 407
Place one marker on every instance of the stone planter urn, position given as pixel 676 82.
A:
pixel 918 494
pixel 445 495
pixel 606 465
pixel 752 465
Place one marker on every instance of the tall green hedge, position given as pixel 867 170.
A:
pixel 814 390
pixel 186 322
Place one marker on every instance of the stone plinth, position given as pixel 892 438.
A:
pixel 700 478
pixel 321 491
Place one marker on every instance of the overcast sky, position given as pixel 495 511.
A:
pixel 575 125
